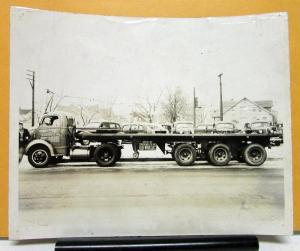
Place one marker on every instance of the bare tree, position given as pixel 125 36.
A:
pixel 146 111
pixel 175 105
pixel 87 115
pixel 108 112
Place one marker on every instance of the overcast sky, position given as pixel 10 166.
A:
pixel 127 59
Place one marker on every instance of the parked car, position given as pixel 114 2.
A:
pixel 148 128
pixel 156 128
pixel 261 127
pixel 226 127
pixel 136 128
pixel 204 129
pixel 266 127
pixel 168 127
pixel 102 127
pixel 278 140
pixel 183 127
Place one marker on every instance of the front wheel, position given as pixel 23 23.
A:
pixel 39 156
pixel 255 155
pixel 106 155
pixel 185 155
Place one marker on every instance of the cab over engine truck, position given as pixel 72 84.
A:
pixel 56 138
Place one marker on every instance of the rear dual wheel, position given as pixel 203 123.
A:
pixel 185 155
pixel 219 155
pixel 255 155
pixel 107 154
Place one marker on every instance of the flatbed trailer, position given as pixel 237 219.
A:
pixel 217 149
pixel 53 142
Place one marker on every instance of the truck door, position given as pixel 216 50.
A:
pixel 52 129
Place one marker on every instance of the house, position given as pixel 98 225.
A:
pixel 247 111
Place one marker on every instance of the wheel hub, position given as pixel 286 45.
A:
pixel 185 155
pixel 39 156
pixel 220 155
pixel 255 155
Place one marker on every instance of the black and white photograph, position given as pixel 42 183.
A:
pixel 139 126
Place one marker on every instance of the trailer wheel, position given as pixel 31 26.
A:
pixel 185 155
pixel 106 155
pixel 255 155
pixel 219 155
pixel 39 156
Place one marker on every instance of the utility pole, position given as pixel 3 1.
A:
pixel 194 106
pixel 31 77
pixel 221 98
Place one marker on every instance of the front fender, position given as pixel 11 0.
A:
pixel 40 142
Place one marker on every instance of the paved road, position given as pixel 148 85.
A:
pixel 150 198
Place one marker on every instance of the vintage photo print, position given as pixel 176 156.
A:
pixel 132 126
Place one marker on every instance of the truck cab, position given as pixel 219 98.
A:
pixel 51 139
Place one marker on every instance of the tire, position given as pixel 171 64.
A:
pixel 255 155
pixel 185 155
pixel 39 156
pixel 219 155
pixel 106 155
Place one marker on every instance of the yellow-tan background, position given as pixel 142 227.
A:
pixel 149 8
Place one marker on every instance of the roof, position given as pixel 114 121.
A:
pixel 254 103
pixel 267 104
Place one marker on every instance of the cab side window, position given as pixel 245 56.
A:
pixel 52 121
